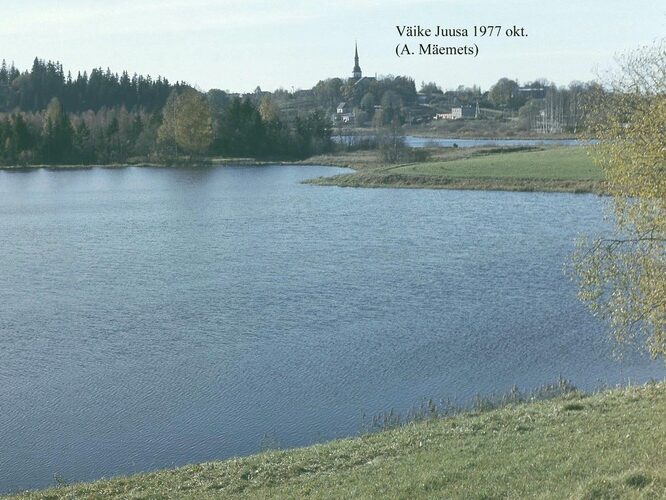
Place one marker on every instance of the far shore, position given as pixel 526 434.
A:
pixel 536 169
pixel 471 134
pixel 471 130
pixel 210 162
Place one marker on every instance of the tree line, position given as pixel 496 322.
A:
pixel 188 127
pixel 52 118
pixel 47 116
pixel 553 109
pixel 33 90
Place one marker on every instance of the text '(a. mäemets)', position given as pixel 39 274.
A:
pixel 434 49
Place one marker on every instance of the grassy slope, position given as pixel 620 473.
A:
pixel 603 446
pixel 556 163
pixel 552 169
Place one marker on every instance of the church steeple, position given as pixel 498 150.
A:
pixel 357 69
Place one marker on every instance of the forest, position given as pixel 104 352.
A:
pixel 47 117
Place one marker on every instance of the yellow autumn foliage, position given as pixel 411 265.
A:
pixel 622 276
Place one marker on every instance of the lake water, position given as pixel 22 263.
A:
pixel 427 142
pixel 155 317
pixel 430 142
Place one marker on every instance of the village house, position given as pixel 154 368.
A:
pixel 459 112
pixel 344 113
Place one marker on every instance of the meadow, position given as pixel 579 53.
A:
pixel 564 169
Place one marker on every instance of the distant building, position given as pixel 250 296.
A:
pixel 532 92
pixel 364 79
pixel 467 111
pixel 343 113
pixel 356 72
pixel 443 116
pixel 459 112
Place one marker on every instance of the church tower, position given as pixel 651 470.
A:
pixel 357 69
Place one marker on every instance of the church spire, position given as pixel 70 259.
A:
pixel 357 69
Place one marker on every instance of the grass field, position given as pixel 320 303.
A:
pixel 553 169
pixel 557 163
pixel 608 445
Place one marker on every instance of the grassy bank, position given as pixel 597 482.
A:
pixel 567 169
pixel 607 445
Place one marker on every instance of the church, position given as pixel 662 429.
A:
pixel 357 74
pixel 344 113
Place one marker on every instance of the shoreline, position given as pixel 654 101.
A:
pixel 468 134
pixel 397 181
pixel 483 137
pixel 216 162
pixel 474 451
pixel 564 169
pixel 370 172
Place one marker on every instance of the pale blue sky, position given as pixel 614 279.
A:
pixel 239 44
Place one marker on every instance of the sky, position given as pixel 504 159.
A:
pixel 237 45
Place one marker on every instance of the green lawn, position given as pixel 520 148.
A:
pixel 561 163
pixel 568 169
pixel 609 445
